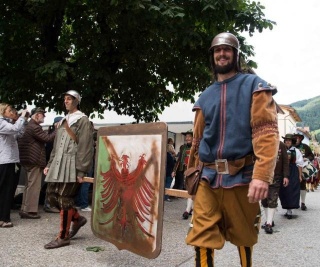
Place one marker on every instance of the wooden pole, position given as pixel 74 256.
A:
pixel 170 192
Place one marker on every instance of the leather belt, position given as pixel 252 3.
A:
pixel 232 167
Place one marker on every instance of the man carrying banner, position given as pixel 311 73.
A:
pixel 236 137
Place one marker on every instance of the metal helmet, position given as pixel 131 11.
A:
pixel 75 94
pixel 225 38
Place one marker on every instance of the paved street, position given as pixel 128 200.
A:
pixel 294 243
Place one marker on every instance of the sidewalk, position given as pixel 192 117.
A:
pixel 294 243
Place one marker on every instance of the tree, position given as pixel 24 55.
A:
pixel 120 55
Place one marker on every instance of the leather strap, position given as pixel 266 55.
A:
pixel 234 166
pixel 70 132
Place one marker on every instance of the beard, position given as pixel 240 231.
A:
pixel 224 69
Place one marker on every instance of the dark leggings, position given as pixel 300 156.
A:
pixel 7 186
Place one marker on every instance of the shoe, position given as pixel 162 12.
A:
pixel 51 209
pixel 268 229
pixel 288 215
pixel 6 224
pixel 303 206
pixel 272 225
pixel 307 190
pixel 312 190
pixel 190 213
pixel 185 215
pixel 28 215
pixel 76 226
pixel 86 209
pixel 57 243
pixel 168 199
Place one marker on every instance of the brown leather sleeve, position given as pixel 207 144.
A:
pixel 198 128
pixel 265 135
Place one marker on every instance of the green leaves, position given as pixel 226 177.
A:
pixel 120 55
pixel 95 249
pixel 53 70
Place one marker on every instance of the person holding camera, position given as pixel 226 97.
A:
pixel 33 160
pixel 9 156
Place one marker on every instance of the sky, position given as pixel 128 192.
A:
pixel 288 56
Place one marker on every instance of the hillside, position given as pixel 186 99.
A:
pixel 309 112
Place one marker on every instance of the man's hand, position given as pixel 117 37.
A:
pixel 80 179
pixel 45 170
pixel 285 182
pixel 258 190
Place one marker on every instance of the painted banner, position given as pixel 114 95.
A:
pixel 129 187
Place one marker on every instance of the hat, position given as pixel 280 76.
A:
pixel 188 132
pixel 298 135
pixel 289 136
pixel 57 119
pixel 37 110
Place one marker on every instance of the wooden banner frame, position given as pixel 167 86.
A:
pixel 129 187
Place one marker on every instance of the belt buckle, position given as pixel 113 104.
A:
pixel 226 168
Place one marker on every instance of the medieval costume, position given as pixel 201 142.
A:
pixel 290 195
pixel 70 160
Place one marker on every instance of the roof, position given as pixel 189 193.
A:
pixel 180 127
pixel 174 127
pixel 292 112
pixel 305 131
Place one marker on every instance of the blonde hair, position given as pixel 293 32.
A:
pixel 3 107
pixel 170 149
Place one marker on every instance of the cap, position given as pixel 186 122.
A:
pixel 37 110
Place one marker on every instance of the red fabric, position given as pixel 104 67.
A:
pixel 186 158
pixel 66 217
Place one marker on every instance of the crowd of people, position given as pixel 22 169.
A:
pixel 56 159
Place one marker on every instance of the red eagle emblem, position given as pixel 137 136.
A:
pixel 127 196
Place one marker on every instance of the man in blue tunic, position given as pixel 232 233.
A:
pixel 236 138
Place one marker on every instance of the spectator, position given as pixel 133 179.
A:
pixel 170 147
pixel 82 199
pixel 49 146
pixel 15 206
pixel 169 168
pixel 9 157
pixel 182 161
pixel 33 160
